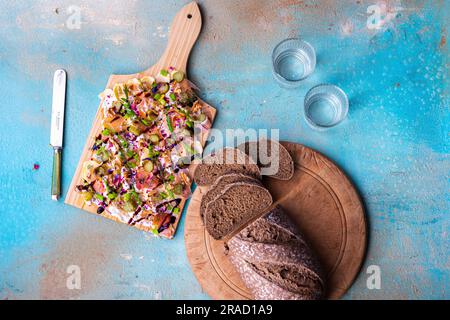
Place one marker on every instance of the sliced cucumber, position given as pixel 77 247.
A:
pixel 118 91
pixel 154 138
pixel 178 76
pixel 134 130
pixel 148 166
pixel 87 196
pixel 201 117
pixel 129 206
pixel 148 81
pixel 164 88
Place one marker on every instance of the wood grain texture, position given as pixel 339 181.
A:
pixel 325 206
pixel 185 29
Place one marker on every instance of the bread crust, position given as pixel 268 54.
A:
pixel 258 258
pixel 285 162
pixel 215 165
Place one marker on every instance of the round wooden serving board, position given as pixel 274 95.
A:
pixel 325 206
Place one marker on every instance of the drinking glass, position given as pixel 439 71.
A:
pixel 325 106
pixel 293 60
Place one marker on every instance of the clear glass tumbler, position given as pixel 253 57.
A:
pixel 293 60
pixel 325 106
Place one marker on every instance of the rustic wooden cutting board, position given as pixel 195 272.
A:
pixel 184 32
pixel 325 206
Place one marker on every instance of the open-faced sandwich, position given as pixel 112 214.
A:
pixel 137 173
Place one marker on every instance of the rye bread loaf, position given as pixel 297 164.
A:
pixel 235 206
pixel 274 261
pixel 227 160
pixel 220 185
pixel 273 158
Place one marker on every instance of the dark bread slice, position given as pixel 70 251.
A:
pixel 274 261
pixel 227 160
pixel 220 185
pixel 234 207
pixel 275 161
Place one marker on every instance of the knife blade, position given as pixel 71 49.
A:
pixel 57 128
pixel 58 104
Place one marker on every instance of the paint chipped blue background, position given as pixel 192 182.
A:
pixel 394 144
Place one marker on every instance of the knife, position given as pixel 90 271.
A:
pixel 57 129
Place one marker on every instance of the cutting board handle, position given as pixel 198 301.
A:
pixel 184 32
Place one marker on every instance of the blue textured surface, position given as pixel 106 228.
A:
pixel 394 144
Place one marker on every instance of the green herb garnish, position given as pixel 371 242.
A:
pixel 131 196
pixel 170 194
pixel 112 195
pixel 152 153
pixel 123 142
pixel 131 165
pixel 169 123
pixel 163 195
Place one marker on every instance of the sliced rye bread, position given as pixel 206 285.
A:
pixel 275 161
pixel 235 206
pixel 274 261
pixel 227 160
pixel 220 185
